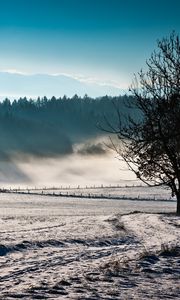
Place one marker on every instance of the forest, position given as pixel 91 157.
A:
pixel 50 127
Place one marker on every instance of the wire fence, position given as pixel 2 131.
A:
pixel 81 192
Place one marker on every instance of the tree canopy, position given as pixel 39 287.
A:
pixel 150 144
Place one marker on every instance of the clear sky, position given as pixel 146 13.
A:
pixel 106 40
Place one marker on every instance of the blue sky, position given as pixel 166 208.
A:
pixel 101 40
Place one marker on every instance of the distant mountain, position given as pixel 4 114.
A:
pixel 16 85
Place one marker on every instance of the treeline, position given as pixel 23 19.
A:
pixel 48 127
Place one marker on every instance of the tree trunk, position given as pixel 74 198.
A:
pixel 178 204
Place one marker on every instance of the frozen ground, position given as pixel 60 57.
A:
pixel 70 248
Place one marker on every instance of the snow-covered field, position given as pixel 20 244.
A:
pixel 109 192
pixel 77 248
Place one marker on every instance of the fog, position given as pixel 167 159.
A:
pixel 92 163
pixel 58 141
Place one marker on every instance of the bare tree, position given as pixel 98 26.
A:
pixel 150 143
